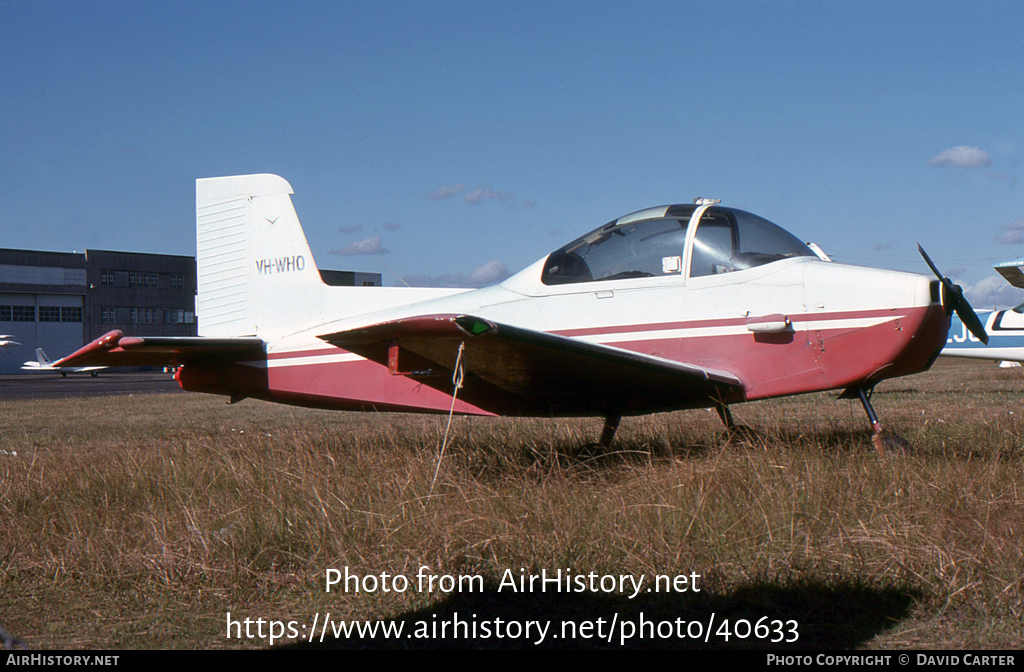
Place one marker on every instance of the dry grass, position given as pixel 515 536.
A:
pixel 138 522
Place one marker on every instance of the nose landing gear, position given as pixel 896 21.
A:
pixel 884 440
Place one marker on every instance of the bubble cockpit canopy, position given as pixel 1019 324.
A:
pixel 653 243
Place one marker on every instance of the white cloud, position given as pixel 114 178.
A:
pixel 961 157
pixel 484 274
pixel 367 246
pixel 445 192
pixel 442 280
pixel 1014 232
pixel 477 195
pixel 488 274
pixel 993 292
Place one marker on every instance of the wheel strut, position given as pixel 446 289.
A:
pixel 611 425
pixel 733 431
pixel 865 399
pixel 883 440
pixel 726 415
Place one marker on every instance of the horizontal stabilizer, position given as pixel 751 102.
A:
pixel 116 349
pixel 514 371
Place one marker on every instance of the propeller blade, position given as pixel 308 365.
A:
pixel 928 260
pixel 967 315
pixel 954 299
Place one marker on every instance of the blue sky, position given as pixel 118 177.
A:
pixel 457 141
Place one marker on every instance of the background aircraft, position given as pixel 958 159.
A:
pixel 674 307
pixel 43 363
pixel 1005 328
pixel 7 341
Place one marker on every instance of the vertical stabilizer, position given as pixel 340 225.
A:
pixel 42 358
pixel 256 274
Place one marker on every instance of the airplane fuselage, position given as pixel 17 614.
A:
pixel 823 338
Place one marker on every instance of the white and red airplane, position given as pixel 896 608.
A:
pixel 673 307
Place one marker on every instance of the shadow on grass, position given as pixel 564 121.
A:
pixel 500 461
pixel 840 616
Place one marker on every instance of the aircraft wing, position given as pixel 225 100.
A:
pixel 1012 271
pixel 116 349
pixel 514 371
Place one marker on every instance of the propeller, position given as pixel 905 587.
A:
pixel 953 299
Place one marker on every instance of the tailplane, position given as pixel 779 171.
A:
pixel 256 274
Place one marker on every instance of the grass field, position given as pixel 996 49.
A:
pixel 139 522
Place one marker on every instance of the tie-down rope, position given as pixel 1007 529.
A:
pixel 457 377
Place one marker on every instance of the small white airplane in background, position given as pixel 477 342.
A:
pixel 7 341
pixel 1005 328
pixel 674 307
pixel 43 363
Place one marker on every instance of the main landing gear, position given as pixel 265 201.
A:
pixel 884 440
pixel 734 431
pixel 611 425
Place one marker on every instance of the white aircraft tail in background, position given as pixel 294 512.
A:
pixel 43 363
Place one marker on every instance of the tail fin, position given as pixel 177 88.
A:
pixel 255 270
pixel 42 358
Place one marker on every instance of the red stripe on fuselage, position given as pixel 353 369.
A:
pixel 317 352
pixel 730 322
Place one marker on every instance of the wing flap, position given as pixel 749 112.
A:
pixel 514 371
pixel 116 349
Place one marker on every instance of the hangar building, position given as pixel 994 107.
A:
pixel 59 301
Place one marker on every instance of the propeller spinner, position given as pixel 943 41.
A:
pixel 953 299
